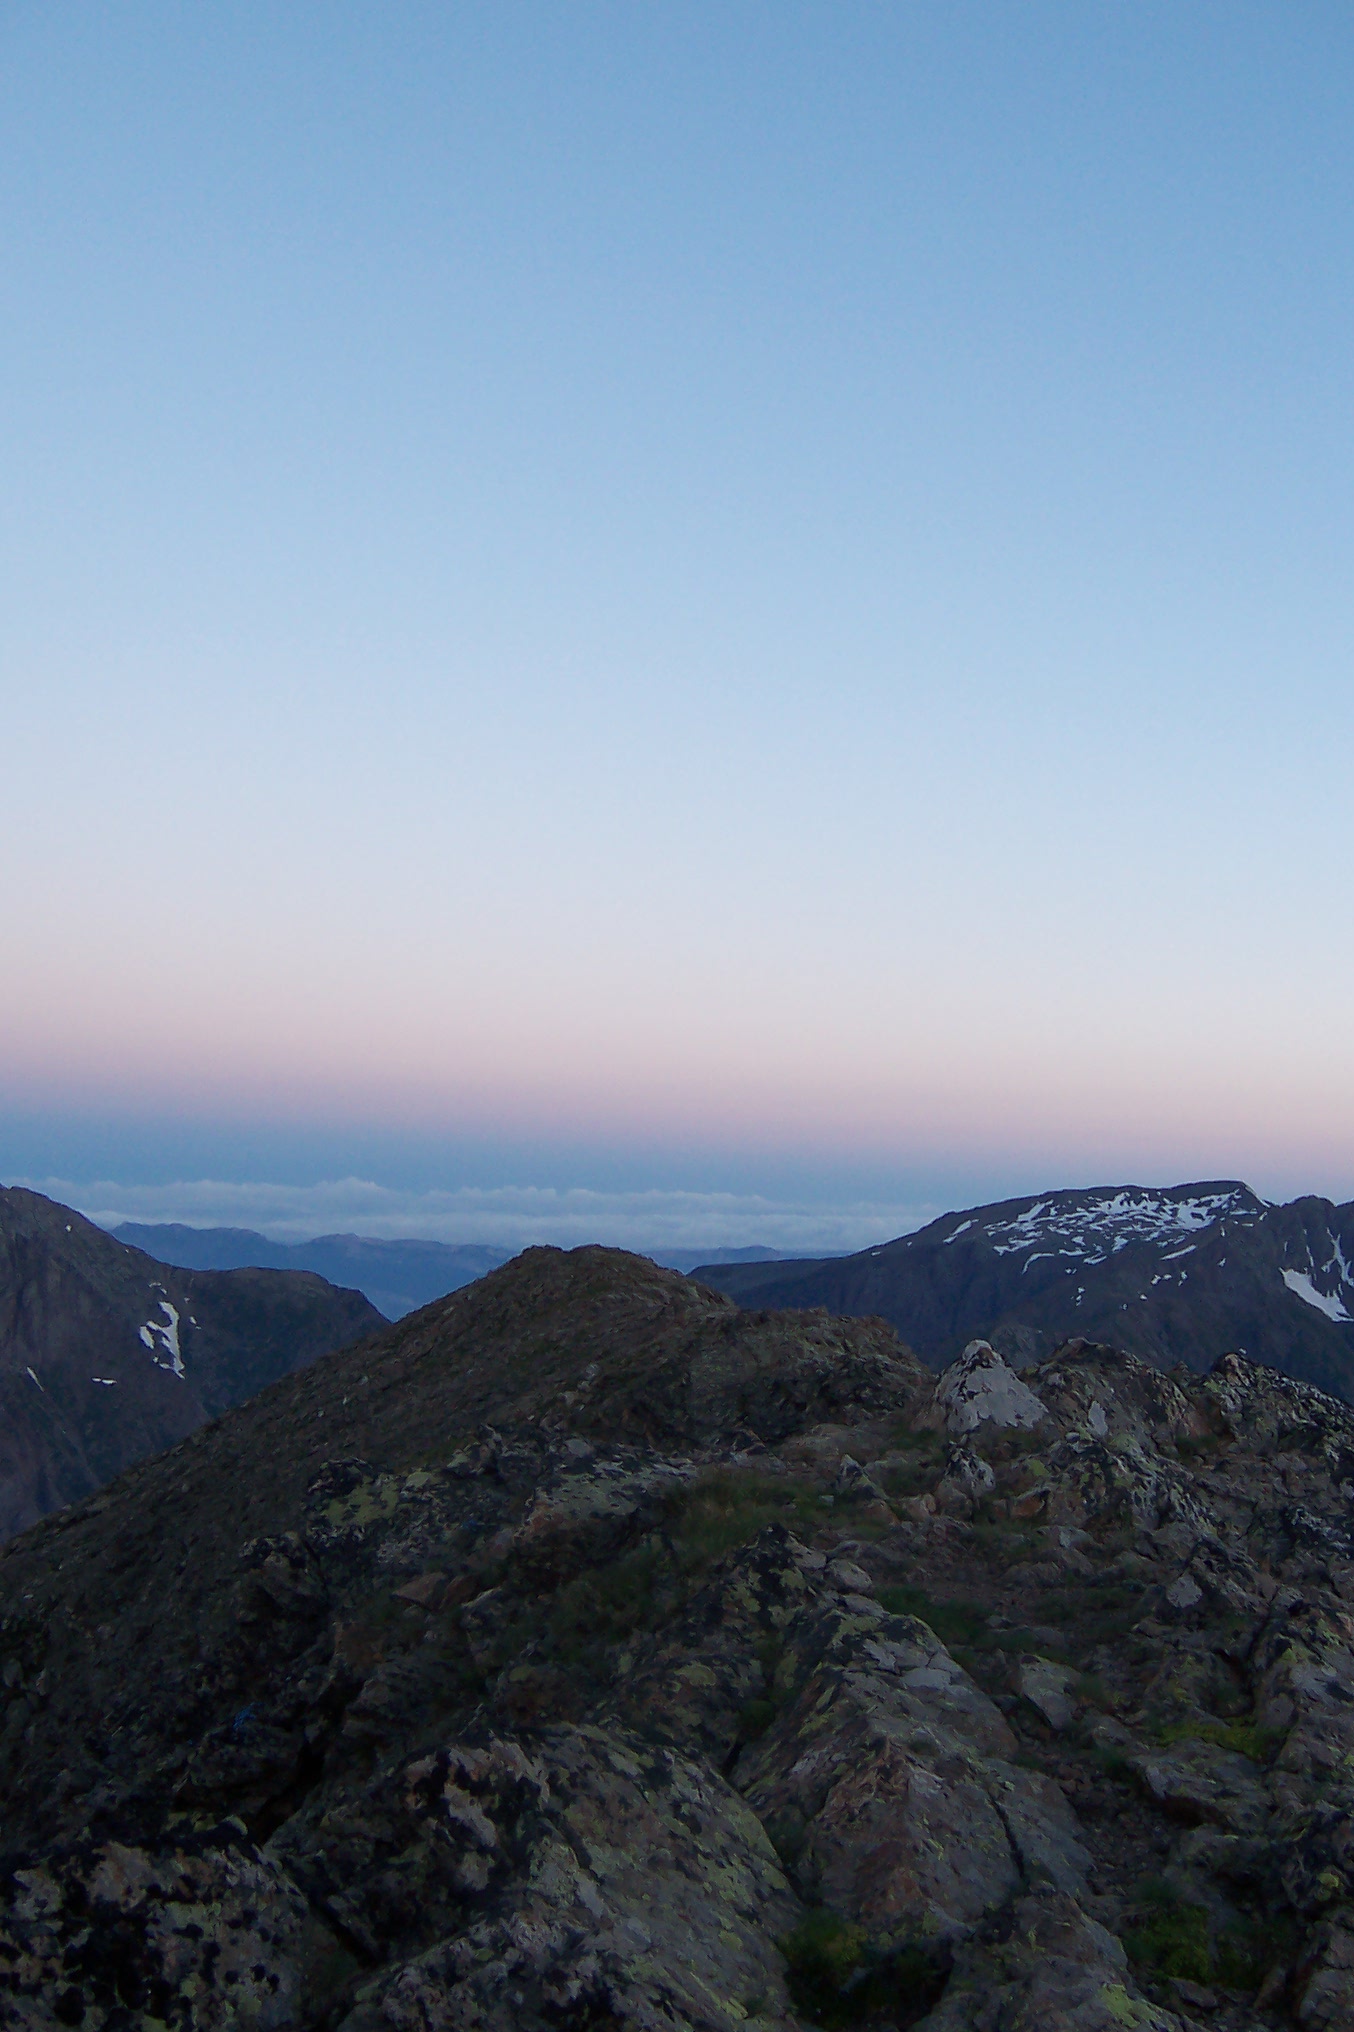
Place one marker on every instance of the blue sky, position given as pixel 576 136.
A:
pixel 741 600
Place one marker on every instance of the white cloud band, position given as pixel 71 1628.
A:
pixel 513 1216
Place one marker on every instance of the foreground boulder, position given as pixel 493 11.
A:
pixel 586 1653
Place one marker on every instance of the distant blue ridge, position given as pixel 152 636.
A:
pixel 396 1276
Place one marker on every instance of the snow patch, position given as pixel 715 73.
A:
pixel 1092 1227
pixel 979 1388
pixel 106 1381
pixel 163 1340
pixel 1301 1286
pixel 36 1381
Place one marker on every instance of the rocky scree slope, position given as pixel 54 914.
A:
pixel 588 1653
pixel 1176 1274
pixel 107 1356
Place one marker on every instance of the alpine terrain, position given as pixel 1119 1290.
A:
pixel 1181 1274
pixel 585 1652
pixel 107 1356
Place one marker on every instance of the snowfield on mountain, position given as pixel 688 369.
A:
pixel 1175 1274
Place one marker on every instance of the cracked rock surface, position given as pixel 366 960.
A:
pixel 588 1653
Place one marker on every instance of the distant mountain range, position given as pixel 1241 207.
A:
pixel 1178 1274
pixel 107 1356
pixel 397 1277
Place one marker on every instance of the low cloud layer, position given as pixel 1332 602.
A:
pixel 513 1216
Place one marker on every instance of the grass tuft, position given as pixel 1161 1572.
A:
pixel 725 1509
pixel 1173 1939
pixel 1244 1739
pixel 1170 1939
pixel 836 1979
pixel 953 1622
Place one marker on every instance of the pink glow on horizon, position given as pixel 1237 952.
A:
pixel 1020 1112
pixel 1106 1078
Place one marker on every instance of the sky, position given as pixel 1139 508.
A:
pixel 741 609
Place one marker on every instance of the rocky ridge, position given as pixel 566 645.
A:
pixel 588 1653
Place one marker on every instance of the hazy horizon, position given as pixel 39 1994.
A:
pixel 514 1217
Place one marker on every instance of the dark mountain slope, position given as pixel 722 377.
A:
pixel 397 1276
pixel 1179 1274
pixel 649 1708
pixel 107 1356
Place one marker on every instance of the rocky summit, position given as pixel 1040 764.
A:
pixel 588 1653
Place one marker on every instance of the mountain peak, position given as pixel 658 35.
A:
pixel 1178 1273
pixel 1091 1223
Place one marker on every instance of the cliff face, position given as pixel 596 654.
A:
pixel 107 1356
pixel 586 1653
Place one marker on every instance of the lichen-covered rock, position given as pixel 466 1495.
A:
pixel 1055 1970
pixel 199 1933
pixel 581 1879
pixel 1326 1977
pixel 887 1778
pixel 1047 1686
pixel 979 1389
pixel 1200 1781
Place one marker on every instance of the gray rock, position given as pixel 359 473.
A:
pixel 979 1389
pixel 1046 1686
pixel 596 1880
